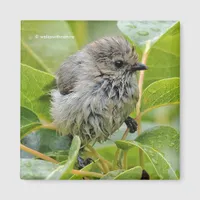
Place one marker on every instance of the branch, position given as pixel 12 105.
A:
pixel 37 154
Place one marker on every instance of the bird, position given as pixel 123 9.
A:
pixel 97 89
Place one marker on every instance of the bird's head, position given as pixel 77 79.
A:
pixel 114 56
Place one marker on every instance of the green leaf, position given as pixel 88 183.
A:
pixel 42 52
pixel 139 32
pixel 112 174
pixel 165 140
pixel 108 152
pixel 35 169
pixel 130 174
pixel 165 160
pixel 35 87
pixel 164 57
pixel 164 52
pixel 63 172
pixel 161 93
pixel 28 121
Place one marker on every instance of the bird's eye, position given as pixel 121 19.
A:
pixel 118 63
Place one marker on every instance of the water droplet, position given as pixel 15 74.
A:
pixel 177 148
pixel 152 90
pixel 155 29
pixel 131 26
pixel 142 33
pixel 175 136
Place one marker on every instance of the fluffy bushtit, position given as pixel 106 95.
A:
pixel 97 90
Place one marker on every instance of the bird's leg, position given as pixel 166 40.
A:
pixel 83 162
pixel 145 175
pixel 131 124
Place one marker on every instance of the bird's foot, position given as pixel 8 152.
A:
pixel 145 175
pixel 82 163
pixel 131 124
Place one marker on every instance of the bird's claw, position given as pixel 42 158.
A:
pixel 82 163
pixel 131 124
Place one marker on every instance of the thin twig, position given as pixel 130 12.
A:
pixel 138 106
pixel 37 154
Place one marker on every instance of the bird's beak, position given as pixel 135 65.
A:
pixel 139 66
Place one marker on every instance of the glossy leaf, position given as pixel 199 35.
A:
pixel 130 174
pixel 165 160
pixel 162 167
pixel 35 169
pixel 164 57
pixel 141 31
pixel 165 140
pixel 161 93
pixel 112 174
pixel 28 121
pixel 64 172
pixel 42 44
pixel 35 88
pixel 164 51
pixel 108 152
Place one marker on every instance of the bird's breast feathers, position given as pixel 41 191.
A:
pixel 96 111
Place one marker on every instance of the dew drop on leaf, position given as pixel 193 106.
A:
pixel 175 136
pixel 142 33
pixel 155 29
pixel 131 26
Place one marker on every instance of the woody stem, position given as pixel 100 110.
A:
pixel 140 85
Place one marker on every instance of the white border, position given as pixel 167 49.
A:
pixel 185 11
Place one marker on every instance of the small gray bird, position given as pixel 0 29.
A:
pixel 97 90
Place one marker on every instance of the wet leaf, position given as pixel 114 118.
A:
pixel 164 155
pixel 165 140
pixel 139 32
pixel 33 83
pixel 35 169
pixel 28 121
pixel 161 93
pixel 164 51
pixel 130 174
pixel 112 174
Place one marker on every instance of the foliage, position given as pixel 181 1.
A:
pixel 155 150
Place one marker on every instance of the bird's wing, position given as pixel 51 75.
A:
pixel 67 76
